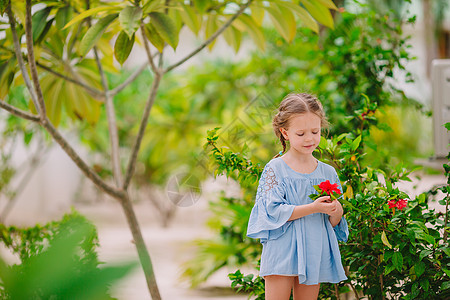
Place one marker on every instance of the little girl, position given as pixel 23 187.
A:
pixel 299 236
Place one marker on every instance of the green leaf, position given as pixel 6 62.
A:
pixel 130 19
pixel 246 23
pixel 165 27
pixel 319 12
pixel 445 285
pixel 397 260
pixel 3 5
pixel 415 290
pixel 419 268
pixel 39 22
pixel 153 5
pixel 201 4
pixel 7 76
pixel 90 12
pixel 211 28
pixel 51 87
pixel 426 237
pixel 447 125
pixel 303 15
pixel 323 143
pixel 283 20
pixel 192 19
pixel 154 37
pixel 388 185
pixel 328 4
pixel 389 269
pixel 44 32
pixel 356 142
pixel 123 46
pixel 63 15
pixel 233 37
pixel 28 135
pixel 446 271
pixel 447 251
pixel 94 33
pixel 257 14
pixel 385 240
pixel 425 284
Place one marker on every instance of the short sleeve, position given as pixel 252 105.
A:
pixel 270 213
pixel 341 229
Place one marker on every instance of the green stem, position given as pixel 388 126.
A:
pixel 446 218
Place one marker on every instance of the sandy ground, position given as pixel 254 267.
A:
pixel 169 247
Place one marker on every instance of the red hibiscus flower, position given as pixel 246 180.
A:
pixel 329 188
pixel 399 204
pixel 325 188
pixel 392 203
pixel 402 203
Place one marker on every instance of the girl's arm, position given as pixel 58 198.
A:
pixel 320 205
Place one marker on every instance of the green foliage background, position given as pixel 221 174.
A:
pixel 58 260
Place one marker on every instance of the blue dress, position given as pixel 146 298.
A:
pixel 308 246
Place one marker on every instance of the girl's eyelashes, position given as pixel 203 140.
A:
pixel 314 132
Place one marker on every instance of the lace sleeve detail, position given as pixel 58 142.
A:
pixel 271 212
pixel 267 182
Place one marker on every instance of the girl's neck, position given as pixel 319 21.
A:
pixel 300 163
pixel 299 158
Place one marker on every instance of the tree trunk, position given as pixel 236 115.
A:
pixel 144 256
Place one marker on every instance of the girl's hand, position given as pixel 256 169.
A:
pixel 336 216
pixel 339 210
pixel 325 205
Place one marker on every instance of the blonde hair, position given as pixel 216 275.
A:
pixel 294 104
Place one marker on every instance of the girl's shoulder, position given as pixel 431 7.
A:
pixel 275 163
pixel 326 167
pixel 274 166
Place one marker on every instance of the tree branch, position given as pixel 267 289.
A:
pixel 32 167
pixel 147 50
pixel 211 38
pixel 66 147
pixel 148 106
pixel 129 80
pixel 88 172
pixel 143 125
pixel 112 125
pixel 31 60
pixel 18 112
pixel 138 240
pixel 18 53
pixel 92 91
pixel 160 61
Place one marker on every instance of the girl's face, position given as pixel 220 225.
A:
pixel 303 133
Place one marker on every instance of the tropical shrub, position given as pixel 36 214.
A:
pixel 57 261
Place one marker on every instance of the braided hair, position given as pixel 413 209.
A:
pixel 294 104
